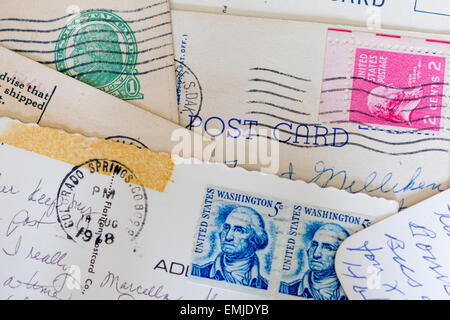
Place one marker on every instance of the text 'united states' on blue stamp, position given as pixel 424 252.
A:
pixel 268 245
pixel 236 238
pixel 313 237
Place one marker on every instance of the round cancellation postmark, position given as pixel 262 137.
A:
pixel 100 199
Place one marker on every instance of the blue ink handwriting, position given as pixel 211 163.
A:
pixel 396 245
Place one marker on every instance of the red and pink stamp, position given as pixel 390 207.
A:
pixel 384 80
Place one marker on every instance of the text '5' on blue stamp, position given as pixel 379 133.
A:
pixel 309 249
pixel 236 238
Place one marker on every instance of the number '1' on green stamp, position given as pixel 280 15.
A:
pixel 99 48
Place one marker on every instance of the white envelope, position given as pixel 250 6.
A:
pixel 94 219
pixel 356 110
pixel 404 257
pixel 417 15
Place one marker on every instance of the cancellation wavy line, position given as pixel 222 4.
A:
pixel 93 20
pixel 390 121
pixel 274 94
pixel 359 135
pixel 122 73
pixel 410 131
pixel 63 27
pixel 90 41
pixel 81 33
pixel 358 145
pixel 83 11
pixel 105 51
pixel 280 73
pixel 115 63
pixel 396 131
pixel 277 84
pixel 384 97
pixel 385 85
pixel 405 110
pixel 321 124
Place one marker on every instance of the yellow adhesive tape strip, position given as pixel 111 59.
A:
pixel 152 170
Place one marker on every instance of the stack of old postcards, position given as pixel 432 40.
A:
pixel 224 149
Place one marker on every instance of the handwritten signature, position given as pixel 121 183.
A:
pixel 374 182
pixel 129 290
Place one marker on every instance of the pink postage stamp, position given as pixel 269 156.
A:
pixel 384 81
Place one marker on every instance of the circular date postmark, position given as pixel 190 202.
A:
pixel 99 199
pixel 189 93
pixel 128 141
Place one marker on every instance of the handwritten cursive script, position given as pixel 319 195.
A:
pixel 8 189
pixel 130 290
pixel 375 182
pixel 52 290
pixel 23 219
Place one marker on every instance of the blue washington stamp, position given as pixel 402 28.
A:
pixel 310 244
pixel 255 241
pixel 236 238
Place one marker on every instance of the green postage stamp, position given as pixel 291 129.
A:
pixel 100 49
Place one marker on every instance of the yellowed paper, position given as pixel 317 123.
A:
pixel 379 125
pixel 122 48
pixel 34 93
pixel 85 218
pixel 417 15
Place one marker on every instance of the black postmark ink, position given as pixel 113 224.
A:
pixel 189 93
pixel 128 141
pixel 99 199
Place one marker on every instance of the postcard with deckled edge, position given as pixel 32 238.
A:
pixel 122 48
pixel 404 257
pixel 417 15
pixel 88 218
pixel 33 93
pixel 349 108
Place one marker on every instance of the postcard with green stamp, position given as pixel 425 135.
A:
pixel 122 48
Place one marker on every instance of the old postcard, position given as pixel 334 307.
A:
pixel 405 257
pixel 350 108
pixel 122 48
pixel 417 15
pixel 89 218
pixel 31 92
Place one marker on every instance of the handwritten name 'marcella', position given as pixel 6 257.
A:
pixel 129 290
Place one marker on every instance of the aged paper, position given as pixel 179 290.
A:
pixel 350 108
pixel 122 48
pixel 95 219
pixel 34 93
pixel 417 15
